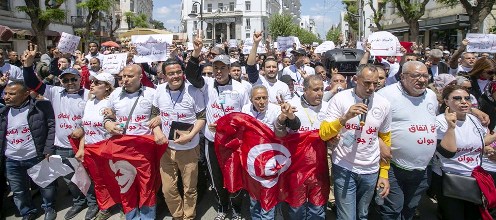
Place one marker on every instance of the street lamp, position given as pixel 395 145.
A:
pixel 193 14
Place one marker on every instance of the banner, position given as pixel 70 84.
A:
pixel 150 48
pixel 68 43
pixel 114 63
pixel 383 43
pixel 481 43
pixel 293 169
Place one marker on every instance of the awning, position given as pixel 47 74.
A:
pixel 30 32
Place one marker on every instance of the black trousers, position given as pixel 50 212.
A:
pixel 226 200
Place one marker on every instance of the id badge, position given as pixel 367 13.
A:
pixel 348 140
pixel 222 98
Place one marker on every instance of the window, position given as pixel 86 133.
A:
pixel 248 35
pixel 209 7
pixel 195 24
pixel 131 6
pixel 5 5
pixel 221 6
pixel 248 24
pixel 248 5
pixel 231 6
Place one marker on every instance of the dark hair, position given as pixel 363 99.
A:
pixel 268 60
pixel 93 42
pixel 68 60
pixel 168 62
pixel 96 60
pixel 20 83
pixel 481 65
pixel 451 88
pixel 236 64
pixel 207 64
pixel 368 66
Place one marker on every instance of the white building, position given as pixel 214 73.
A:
pixel 308 24
pixel 20 23
pixel 233 19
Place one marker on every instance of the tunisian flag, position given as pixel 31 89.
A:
pixel 292 169
pixel 124 169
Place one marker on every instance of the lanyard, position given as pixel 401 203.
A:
pixel 174 102
pixel 309 118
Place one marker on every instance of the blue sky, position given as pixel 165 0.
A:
pixel 325 13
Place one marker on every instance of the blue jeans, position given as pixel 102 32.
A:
pixel 307 211
pixel 78 198
pixel 19 181
pixel 353 192
pixel 258 213
pixel 143 213
pixel 405 192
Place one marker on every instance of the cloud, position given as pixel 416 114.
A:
pixel 172 21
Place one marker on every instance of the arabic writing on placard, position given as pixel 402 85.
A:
pixel 68 43
pixel 249 44
pixel 383 43
pixel 114 63
pixel 150 48
pixel 284 43
pixel 481 43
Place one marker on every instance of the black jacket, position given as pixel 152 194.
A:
pixel 41 121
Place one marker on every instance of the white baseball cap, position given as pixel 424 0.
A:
pixel 105 77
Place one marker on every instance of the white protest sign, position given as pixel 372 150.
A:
pixel 249 44
pixel 233 43
pixel 150 48
pixel 284 43
pixel 481 43
pixel 68 43
pixel 383 43
pixel 276 45
pixel 114 63
pixel 190 46
pixel 324 47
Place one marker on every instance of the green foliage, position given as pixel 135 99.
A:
pixel 139 20
pixel 48 15
pixel 451 3
pixel 100 5
pixel 492 30
pixel 157 24
pixel 352 9
pixel 282 25
pixel 333 34
pixel 305 36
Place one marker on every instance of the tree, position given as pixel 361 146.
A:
pixel 282 25
pixel 477 10
pixel 305 36
pixel 157 24
pixel 94 7
pixel 351 17
pixel 377 14
pixel 411 13
pixel 41 18
pixel 140 20
pixel 333 35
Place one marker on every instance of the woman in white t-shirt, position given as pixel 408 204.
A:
pixel 461 139
pixel 93 116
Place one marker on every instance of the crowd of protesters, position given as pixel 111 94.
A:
pixel 426 113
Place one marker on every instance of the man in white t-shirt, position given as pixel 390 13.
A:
pixel 462 62
pixel 300 69
pixel 235 73
pixel 182 112
pixel 275 87
pixel 223 95
pixel 356 170
pixel 413 138
pixel 93 52
pixel 68 104
pixel 132 110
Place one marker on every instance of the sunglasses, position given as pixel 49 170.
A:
pixel 97 82
pixel 69 80
pixel 459 98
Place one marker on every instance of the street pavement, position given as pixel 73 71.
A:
pixel 205 208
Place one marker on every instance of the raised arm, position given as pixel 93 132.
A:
pixel 32 82
pixel 453 62
pixel 366 55
pixel 193 72
pixel 251 69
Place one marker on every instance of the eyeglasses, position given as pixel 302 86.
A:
pixel 208 73
pixel 459 98
pixel 66 80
